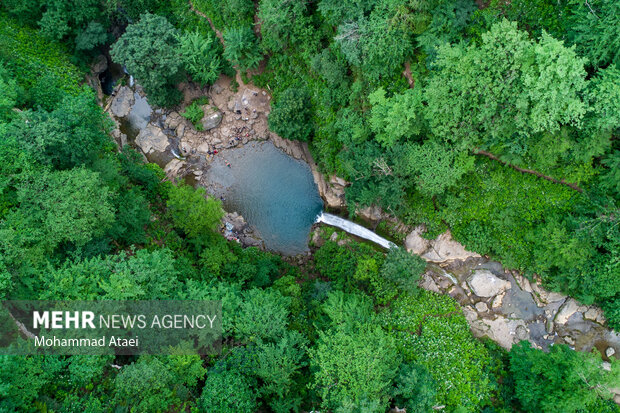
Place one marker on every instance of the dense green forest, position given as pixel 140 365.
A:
pixel 498 120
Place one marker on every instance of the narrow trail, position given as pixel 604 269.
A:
pixel 238 78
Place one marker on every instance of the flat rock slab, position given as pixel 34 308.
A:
pixel 484 283
pixel 152 139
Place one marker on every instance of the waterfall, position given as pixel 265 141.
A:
pixel 354 229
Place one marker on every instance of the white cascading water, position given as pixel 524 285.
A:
pixel 354 229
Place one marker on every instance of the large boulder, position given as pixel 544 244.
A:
pixel 212 120
pixel 415 243
pixel 569 308
pixel 152 139
pixel 504 331
pixel 444 248
pixel 484 283
pixel 122 102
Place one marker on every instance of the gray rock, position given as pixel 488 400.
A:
pixel 521 333
pixel 212 120
pixel 569 308
pixel 152 139
pixel 484 283
pixel 99 65
pixel 482 307
pixel 429 284
pixel 610 351
pixel 122 103
pixel 415 243
pixel 444 248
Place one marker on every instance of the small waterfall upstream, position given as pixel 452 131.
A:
pixel 354 229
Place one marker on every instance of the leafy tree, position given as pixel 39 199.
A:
pixel 283 23
pixel 403 269
pixel 70 135
pixel 148 385
pixel 227 388
pixel 192 212
pixel 431 332
pixel 290 115
pixel 397 118
pixel 94 35
pixel 201 56
pixel 594 28
pixel 354 367
pixel 433 166
pixel 335 11
pixel 414 388
pixel 278 367
pixel 150 50
pixel 562 379
pixel 241 48
pixel 82 211
pixel 528 88
pixel 262 316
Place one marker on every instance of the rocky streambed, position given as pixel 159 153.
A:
pixel 498 303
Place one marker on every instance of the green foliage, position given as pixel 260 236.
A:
pixel 415 388
pixel 193 212
pixel 403 269
pixel 594 27
pixel 225 14
pixel 354 367
pixel 241 48
pixel 283 23
pixel 397 118
pixel 201 56
pixel 150 50
pixel 529 88
pixel 81 211
pixel 70 135
pixel 147 385
pixel 562 379
pixel 94 35
pixel 290 115
pixel 28 55
pixel 194 114
pixel 432 332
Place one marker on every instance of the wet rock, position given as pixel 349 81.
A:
pixel 521 333
pixel 99 65
pixel 335 180
pixel 444 248
pixel 122 102
pixel 428 283
pixel 152 139
pixel 180 131
pixel 484 283
pixel 482 307
pixel 173 168
pixel 569 308
pixel 173 120
pixel 415 243
pixel 593 314
pixel 610 352
pixel 212 120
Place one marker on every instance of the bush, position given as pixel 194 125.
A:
pixel 241 48
pixel 194 114
pixel 290 115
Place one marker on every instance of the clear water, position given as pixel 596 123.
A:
pixel 274 192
